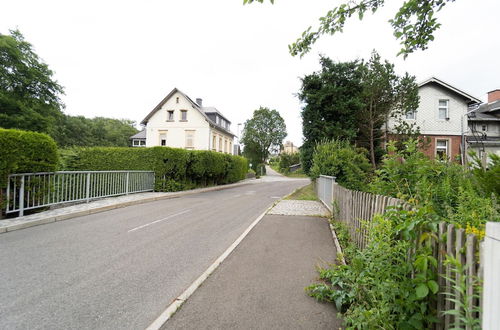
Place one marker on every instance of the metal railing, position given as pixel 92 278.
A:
pixel 26 191
pixel 324 190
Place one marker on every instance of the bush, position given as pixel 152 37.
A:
pixel 23 151
pixel 175 169
pixel 340 159
pixel 287 160
pixel 260 169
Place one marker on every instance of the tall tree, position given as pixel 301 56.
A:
pixel 332 99
pixel 383 93
pixel 29 95
pixel 263 133
pixel 414 24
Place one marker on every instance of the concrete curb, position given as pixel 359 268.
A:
pixel 76 214
pixel 177 303
pixel 340 255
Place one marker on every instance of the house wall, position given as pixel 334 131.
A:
pixel 223 141
pixel 454 144
pixel 493 127
pixel 427 113
pixel 176 129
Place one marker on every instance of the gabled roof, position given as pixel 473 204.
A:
pixel 468 97
pixel 193 104
pixel 140 135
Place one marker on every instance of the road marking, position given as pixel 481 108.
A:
pixel 172 308
pixel 152 223
pixel 275 197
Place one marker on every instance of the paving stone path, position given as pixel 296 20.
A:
pixel 296 207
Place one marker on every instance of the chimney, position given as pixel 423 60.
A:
pixel 494 95
pixel 199 102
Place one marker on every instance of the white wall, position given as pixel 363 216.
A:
pixel 226 140
pixel 427 112
pixel 491 289
pixel 176 130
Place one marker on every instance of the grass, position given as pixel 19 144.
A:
pixel 306 193
pixel 296 174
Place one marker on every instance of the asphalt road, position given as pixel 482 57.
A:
pixel 120 269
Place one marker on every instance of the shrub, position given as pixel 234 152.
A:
pixel 175 169
pixel 340 159
pixel 452 192
pixel 287 160
pixel 23 151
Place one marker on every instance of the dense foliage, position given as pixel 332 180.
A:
pixel 96 132
pixel 286 160
pixel 30 100
pixel 23 152
pixel 332 99
pixel 262 134
pixel 175 169
pixel 29 96
pixel 414 24
pixel 384 94
pixel 393 282
pixel 352 101
pixel 339 159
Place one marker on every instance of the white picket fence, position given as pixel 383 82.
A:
pixel 356 210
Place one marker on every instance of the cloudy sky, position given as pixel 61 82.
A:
pixel 120 58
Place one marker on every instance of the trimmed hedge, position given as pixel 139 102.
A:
pixel 23 151
pixel 175 169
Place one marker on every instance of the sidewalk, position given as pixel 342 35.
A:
pixel 261 284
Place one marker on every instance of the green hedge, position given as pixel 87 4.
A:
pixel 23 151
pixel 175 169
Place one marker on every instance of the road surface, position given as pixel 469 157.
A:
pixel 121 268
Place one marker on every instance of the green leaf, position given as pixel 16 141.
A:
pixel 422 291
pixel 433 286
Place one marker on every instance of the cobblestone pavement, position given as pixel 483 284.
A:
pixel 296 207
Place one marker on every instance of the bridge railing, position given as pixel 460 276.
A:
pixel 26 191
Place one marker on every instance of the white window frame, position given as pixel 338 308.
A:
pixel 184 115
pixel 484 127
pixel 445 108
pixel 135 144
pixel 411 115
pixel 220 143
pixel 214 142
pixel 190 136
pixel 160 134
pixel 446 148
pixel 170 115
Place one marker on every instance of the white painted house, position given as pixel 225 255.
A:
pixel 179 122
pixel 441 117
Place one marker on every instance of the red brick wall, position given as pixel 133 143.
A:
pixel 494 95
pixel 454 143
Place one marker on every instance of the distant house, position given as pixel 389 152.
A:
pixel 484 126
pixel 179 122
pixel 139 139
pixel 290 148
pixel 441 117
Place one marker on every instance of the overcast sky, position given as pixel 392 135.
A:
pixel 120 58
